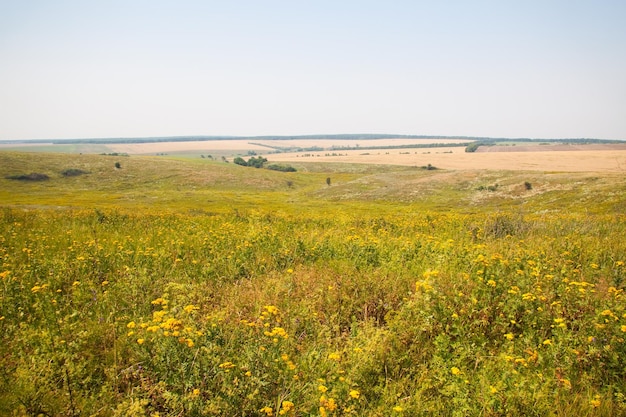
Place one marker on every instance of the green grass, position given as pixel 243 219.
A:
pixel 193 287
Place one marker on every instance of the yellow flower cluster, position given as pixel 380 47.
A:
pixel 327 404
pixel 287 407
pixel 268 411
pixel 166 325
pixel 277 331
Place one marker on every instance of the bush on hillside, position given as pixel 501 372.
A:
pixel 73 172
pixel 473 147
pixel 33 176
pixel 429 167
pixel 282 168
pixel 240 161
pixel 256 162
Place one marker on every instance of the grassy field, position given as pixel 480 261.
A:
pixel 171 287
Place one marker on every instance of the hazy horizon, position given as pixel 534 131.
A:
pixel 136 69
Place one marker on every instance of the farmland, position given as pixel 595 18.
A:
pixel 163 286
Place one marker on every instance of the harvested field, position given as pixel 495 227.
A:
pixel 266 145
pixel 552 147
pixel 547 158
pixel 535 158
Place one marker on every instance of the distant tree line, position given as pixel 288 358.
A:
pixel 411 146
pixel 356 136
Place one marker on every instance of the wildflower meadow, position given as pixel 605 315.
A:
pixel 228 300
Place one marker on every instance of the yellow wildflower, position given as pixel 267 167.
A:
pixel 398 409
pixel 267 410
pixel 190 308
pixel 596 401
pixel 331 404
pixel 455 371
pixel 160 301
pixel 286 407
pixel 157 316
pixel 277 331
pixel 355 394
pixel 227 365
pixel 140 341
pixel 272 309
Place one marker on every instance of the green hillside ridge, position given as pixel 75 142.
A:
pixel 212 185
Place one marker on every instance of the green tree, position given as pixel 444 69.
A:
pixel 240 161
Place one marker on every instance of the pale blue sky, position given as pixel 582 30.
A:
pixel 540 69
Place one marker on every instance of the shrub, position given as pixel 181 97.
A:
pixel 429 167
pixel 282 168
pixel 528 185
pixel 240 161
pixel 503 225
pixel 73 172
pixel 473 147
pixel 118 165
pixel 33 176
pixel 256 162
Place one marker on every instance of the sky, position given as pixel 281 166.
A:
pixel 134 68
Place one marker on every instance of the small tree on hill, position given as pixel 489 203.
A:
pixel 240 161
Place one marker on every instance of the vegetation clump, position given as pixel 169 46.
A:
pixel 33 176
pixel 73 172
pixel 429 167
pixel 492 188
pixel 281 167
pixel 473 147
pixel 256 162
